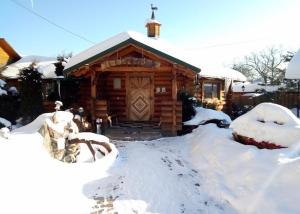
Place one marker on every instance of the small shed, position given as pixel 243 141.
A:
pixel 133 77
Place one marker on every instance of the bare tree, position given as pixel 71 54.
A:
pixel 266 64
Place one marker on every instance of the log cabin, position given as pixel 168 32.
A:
pixel 134 77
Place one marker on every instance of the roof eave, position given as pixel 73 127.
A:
pixel 135 42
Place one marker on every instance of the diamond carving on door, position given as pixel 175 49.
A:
pixel 139 104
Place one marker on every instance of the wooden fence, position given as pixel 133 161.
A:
pixel 287 99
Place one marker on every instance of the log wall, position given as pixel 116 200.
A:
pixel 167 121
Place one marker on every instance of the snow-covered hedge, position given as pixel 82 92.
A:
pixel 269 122
pixel 203 115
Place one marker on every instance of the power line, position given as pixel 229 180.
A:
pixel 51 22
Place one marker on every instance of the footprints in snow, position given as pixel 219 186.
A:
pixel 106 204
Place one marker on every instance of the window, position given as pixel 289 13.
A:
pixel 211 90
pixel 117 83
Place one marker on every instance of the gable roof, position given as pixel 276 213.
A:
pixel 9 49
pixel 157 46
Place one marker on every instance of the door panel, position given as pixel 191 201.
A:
pixel 138 97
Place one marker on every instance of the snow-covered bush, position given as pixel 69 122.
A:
pixel 9 102
pixel 269 122
pixel 188 110
pixel 31 92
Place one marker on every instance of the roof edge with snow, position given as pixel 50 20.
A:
pixel 134 42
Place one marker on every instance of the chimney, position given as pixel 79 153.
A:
pixel 152 25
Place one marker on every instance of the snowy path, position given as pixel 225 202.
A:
pixel 152 177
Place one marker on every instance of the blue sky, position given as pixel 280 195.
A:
pixel 198 25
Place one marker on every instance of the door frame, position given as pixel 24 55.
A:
pixel 140 74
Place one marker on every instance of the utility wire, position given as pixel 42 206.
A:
pixel 51 22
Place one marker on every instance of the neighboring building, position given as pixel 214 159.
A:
pixel 214 85
pixel 293 69
pixel 7 54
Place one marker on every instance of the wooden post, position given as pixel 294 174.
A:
pixel 174 99
pixel 93 95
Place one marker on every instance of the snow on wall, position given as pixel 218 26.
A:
pixel 269 122
pixel 293 69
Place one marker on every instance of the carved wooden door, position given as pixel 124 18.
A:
pixel 138 98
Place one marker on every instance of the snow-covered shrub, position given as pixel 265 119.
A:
pixel 268 123
pixel 31 92
pixel 9 102
pixel 4 132
pixel 188 110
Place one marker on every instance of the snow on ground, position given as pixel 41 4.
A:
pixel 202 172
pixel 204 114
pixel 250 179
pixel 269 122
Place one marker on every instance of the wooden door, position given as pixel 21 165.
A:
pixel 139 98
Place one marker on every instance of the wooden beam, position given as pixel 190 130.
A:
pixel 174 98
pixel 93 94
pixel 133 69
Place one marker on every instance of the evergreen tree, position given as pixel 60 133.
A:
pixel 31 93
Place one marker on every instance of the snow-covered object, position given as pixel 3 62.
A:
pixel 3 92
pixel 2 83
pixel 252 87
pixel 203 114
pixel 5 122
pixel 221 73
pixel 47 71
pixel 4 132
pixel 13 90
pixel 58 105
pixel 43 64
pixel 269 122
pixel 60 120
pixel 252 180
pixel 155 43
pixel 85 153
pixel 293 69
pixel 89 136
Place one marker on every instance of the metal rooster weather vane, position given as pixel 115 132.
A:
pixel 153 9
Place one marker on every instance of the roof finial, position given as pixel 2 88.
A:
pixel 153 9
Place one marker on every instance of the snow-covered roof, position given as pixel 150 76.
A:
pixel 252 87
pixel 222 73
pixel 293 69
pixel 45 66
pixel 157 45
pixel 149 21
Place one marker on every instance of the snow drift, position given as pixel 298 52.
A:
pixel 203 114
